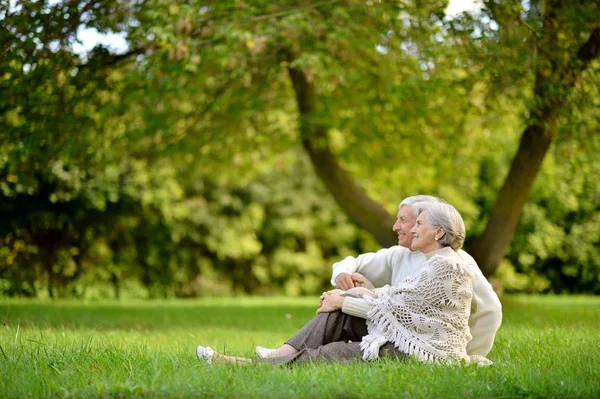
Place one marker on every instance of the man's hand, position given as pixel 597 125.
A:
pixel 331 301
pixel 346 281
pixel 362 281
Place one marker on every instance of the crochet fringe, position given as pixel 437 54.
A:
pixel 438 275
pixel 371 343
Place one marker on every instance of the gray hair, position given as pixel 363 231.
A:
pixel 415 199
pixel 446 216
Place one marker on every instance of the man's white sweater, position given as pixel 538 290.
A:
pixel 393 265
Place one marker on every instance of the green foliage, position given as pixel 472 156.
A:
pixel 176 168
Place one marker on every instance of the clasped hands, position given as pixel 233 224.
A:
pixel 355 284
pixel 330 301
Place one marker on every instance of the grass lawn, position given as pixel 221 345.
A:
pixel 547 347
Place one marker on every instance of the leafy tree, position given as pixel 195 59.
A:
pixel 183 164
pixel 567 39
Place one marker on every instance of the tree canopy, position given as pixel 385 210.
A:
pixel 245 146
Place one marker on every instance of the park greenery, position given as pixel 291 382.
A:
pixel 547 347
pixel 245 146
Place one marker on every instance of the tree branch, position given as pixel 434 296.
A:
pixel 591 48
pixel 111 60
pixel 357 205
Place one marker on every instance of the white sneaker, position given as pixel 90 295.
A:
pixel 264 352
pixel 205 354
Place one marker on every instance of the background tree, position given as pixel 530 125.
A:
pixel 186 165
pixel 560 62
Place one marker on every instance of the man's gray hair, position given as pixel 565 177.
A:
pixel 445 215
pixel 415 199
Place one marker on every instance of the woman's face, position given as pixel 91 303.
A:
pixel 424 234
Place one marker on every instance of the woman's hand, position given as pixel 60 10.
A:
pixel 331 301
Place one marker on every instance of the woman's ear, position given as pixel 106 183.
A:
pixel 439 233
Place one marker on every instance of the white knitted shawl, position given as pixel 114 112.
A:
pixel 426 315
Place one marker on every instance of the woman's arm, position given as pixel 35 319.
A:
pixel 359 306
pixel 358 292
pixel 351 302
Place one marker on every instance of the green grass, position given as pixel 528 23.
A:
pixel 547 347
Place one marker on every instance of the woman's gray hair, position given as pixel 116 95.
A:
pixel 415 199
pixel 446 216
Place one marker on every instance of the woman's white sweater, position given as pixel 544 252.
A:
pixel 427 314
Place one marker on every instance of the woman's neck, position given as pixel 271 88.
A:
pixel 438 251
pixel 432 247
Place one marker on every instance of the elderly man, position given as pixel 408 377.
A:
pixel 393 265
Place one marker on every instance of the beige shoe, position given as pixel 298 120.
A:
pixel 264 352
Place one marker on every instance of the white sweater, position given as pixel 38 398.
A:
pixel 427 314
pixel 393 265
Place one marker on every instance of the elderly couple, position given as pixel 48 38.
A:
pixel 433 302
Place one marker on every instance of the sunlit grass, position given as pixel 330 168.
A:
pixel 547 347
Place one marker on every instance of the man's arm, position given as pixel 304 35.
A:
pixel 375 266
pixel 486 311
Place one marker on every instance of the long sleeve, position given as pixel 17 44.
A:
pixel 486 311
pixel 375 266
pixel 356 307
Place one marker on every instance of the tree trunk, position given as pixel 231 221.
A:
pixel 357 205
pixel 488 249
pixel 48 264
pixel 551 93
pixel 116 283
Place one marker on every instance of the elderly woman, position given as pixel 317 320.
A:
pixel 426 316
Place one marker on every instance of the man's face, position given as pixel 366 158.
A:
pixel 404 223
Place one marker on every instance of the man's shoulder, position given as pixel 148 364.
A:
pixel 464 255
pixel 397 254
pixel 471 264
pixel 392 251
pixel 400 252
pixel 397 248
